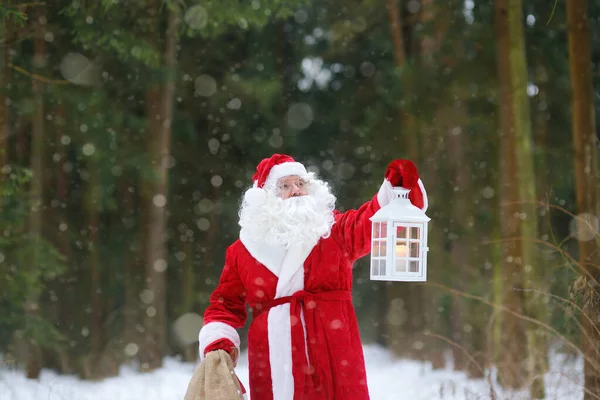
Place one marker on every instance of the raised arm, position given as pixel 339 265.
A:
pixel 353 227
pixel 226 312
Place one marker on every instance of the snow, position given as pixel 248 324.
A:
pixel 389 379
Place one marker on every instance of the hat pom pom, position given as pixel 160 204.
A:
pixel 255 196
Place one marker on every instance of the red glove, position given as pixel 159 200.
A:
pixel 223 344
pixel 404 173
pixel 228 346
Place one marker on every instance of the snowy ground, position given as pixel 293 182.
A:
pixel 389 379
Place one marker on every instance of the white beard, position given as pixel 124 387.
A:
pixel 296 220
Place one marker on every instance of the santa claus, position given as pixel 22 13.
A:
pixel 292 265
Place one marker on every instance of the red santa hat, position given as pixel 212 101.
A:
pixel 268 171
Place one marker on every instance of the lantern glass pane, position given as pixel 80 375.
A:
pixel 401 232
pixel 381 267
pixel 375 267
pixel 401 265
pixel 414 266
pixel 375 251
pixel 414 233
pixel 376 226
pixel 414 249
pixel 382 248
pixel 383 231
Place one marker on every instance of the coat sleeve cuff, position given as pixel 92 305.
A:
pixel 385 194
pixel 425 201
pixel 221 344
pixel 214 331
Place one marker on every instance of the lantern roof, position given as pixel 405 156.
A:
pixel 400 209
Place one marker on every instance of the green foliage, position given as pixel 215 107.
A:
pixel 213 18
pixel 115 39
pixel 26 264
pixel 17 16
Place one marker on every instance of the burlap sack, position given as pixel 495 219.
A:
pixel 214 379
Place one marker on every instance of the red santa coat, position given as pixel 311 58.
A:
pixel 304 341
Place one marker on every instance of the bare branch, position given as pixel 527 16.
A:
pixel 519 315
pixel 38 77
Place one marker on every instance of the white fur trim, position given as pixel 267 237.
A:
pixel 425 201
pixel 271 256
pixel 214 331
pixel 385 194
pixel 292 264
pixel 286 169
pixel 255 196
pixel 280 352
pixel 280 339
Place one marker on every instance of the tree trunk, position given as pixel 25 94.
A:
pixel 541 128
pixel 159 111
pixel 21 139
pixel 188 284
pixel 404 319
pixel 401 56
pixel 467 320
pixel 132 321
pixel 92 211
pixel 397 37
pixel 468 316
pixel 511 360
pixel 459 256
pixel 34 362
pixel 66 296
pixel 431 134
pixel 546 258
pixel 4 82
pixel 586 178
pixel 533 276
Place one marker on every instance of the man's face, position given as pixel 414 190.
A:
pixel 291 186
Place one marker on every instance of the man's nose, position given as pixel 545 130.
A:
pixel 295 190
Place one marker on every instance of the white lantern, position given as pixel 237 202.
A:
pixel 399 241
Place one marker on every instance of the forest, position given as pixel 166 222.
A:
pixel 130 129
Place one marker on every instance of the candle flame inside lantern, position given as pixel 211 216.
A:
pixel 400 250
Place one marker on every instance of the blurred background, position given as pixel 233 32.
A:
pixel 130 130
